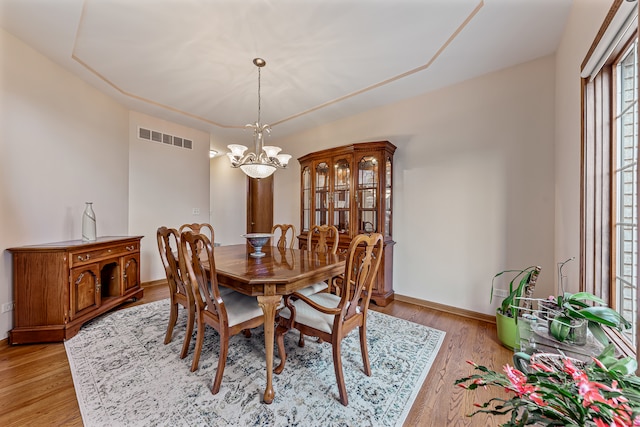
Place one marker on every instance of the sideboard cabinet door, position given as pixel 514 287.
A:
pixel 85 290
pixel 130 271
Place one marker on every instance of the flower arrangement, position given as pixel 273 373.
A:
pixel 605 392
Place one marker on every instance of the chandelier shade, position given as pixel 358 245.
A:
pixel 264 161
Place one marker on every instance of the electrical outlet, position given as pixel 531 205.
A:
pixel 196 211
pixel 500 292
pixel 8 306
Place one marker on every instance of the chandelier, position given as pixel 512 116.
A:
pixel 266 159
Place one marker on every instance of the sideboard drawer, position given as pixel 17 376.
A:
pixel 83 257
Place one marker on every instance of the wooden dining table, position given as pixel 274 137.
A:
pixel 280 272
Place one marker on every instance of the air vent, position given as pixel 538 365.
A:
pixel 155 136
pixel 144 134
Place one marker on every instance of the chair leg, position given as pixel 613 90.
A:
pixel 280 331
pixel 363 349
pixel 337 366
pixel 246 333
pixel 222 361
pixel 199 340
pixel 173 318
pixel 301 340
pixel 187 337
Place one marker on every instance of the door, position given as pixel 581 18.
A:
pixel 260 205
pixel 131 272
pixel 85 289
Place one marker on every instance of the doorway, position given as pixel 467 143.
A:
pixel 260 205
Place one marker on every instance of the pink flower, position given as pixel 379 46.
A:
pixel 541 367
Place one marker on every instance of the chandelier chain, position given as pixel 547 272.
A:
pixel 259 100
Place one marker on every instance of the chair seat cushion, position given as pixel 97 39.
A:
pixel 309 316
pixel 240 307
pixel 224 290
pixel 313 289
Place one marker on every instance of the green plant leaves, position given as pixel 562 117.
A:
pixel 559 327
pixel 509 305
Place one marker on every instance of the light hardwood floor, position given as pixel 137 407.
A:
pixel 36 388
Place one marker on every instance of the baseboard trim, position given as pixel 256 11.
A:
pixel 446 308
pixel 152 283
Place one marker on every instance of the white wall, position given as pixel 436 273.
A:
pixel 228 201
pixel 166 183
pixel 474 182
pixel 582 26
pixel 61 143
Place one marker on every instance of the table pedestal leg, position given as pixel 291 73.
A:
pixel 269 304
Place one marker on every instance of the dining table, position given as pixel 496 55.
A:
pixel 278 273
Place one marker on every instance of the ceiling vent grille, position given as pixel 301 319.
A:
pixel 155 136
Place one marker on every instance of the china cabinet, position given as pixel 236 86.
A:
pixel 351 188
pixel 58 287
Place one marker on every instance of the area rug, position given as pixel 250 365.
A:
pixel 125 376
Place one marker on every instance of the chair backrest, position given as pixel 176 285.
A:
pixel 363 259
pixel 196 228
pixel 169 246
pixel 203 228
pixel 286 238
pixel 323 238
pixel 195 250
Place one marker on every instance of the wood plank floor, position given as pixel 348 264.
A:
pixel 36 388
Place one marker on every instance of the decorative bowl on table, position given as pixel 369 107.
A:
pixel 257 241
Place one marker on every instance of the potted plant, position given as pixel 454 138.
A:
pixel 517 299
pixel 568 310
pixel 569 315
pixel 561 391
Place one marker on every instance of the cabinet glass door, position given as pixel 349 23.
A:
pixel 306 199
pixel 341 195
pixel 387 199
pixel 368 194
pixel 322 194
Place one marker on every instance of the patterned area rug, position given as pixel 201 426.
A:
pixel 125 376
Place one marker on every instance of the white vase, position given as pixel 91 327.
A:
pixel 89 223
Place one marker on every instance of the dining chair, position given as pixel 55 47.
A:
pixel 204 227
pixel 228 314
pixel 331 317
pixel 287 236
pixel 321 239
pixel 179 289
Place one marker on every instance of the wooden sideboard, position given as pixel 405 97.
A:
pixel 57 287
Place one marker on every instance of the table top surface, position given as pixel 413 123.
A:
pixel 279 272
pixel 277 266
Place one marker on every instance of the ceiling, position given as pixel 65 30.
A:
pixel 190 61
